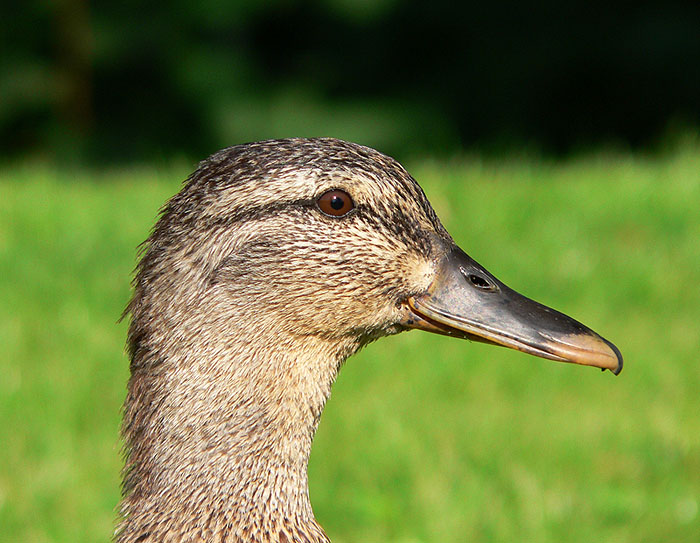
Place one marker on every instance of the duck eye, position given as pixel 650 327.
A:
pixel 335 203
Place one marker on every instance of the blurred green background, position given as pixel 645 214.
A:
pixel 128 80
pixel 558 143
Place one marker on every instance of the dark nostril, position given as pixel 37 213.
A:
pixel 479 282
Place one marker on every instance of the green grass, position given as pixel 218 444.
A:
pixel 425 438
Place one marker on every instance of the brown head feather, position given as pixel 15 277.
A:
pixel 246 302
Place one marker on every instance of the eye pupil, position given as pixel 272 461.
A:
pixel 336 203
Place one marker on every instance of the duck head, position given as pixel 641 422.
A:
pixel 275 262
pixel 321 237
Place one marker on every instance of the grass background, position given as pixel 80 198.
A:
pixel 425 438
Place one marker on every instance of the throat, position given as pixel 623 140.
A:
pixel 218 445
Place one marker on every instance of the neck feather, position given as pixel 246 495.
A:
pixel 218 437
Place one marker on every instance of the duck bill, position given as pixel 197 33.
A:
pixel 465 300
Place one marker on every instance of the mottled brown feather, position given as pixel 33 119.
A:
pixel 247 300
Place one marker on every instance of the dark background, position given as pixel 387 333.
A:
pixel 116 81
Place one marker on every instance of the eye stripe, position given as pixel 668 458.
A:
pixel 244 213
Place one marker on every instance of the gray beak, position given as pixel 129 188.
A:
pixel 465 300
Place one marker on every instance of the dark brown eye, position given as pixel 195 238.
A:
pixel 335 203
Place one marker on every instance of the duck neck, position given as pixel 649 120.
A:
pixel 218 443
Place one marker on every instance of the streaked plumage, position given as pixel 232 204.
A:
pixel 247 300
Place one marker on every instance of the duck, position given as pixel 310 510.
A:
pixel 275 262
